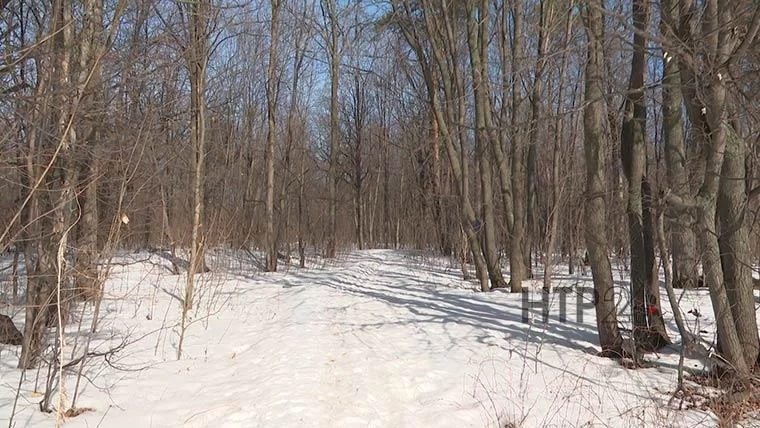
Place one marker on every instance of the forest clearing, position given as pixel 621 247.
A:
pixel 375 338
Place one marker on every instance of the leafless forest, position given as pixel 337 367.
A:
pixel 515 136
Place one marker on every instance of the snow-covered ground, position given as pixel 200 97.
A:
pixel 377 338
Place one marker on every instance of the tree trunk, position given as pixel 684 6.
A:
pixel 301 212
pixel 477 37
pixel 685 264
pixel 449 111
pixel 197 61
pixel 332 173
pixel 87 272
pixel 444 237
pixel 596 210
pixel 271 92
pixel 503 163
pixel 359 114
pixel 736 255
pixel 517 264
pixel 534 135
pixel 46 273
pixel 387 221
pixel 89 76
pixel 556 194
pixel 706 98
pixel 648 325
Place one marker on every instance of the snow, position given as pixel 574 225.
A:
pixel 376 338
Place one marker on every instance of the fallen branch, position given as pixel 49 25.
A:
pixel 93 354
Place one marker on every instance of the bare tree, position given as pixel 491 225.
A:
pixel 478 32
pixel 517 262
pixel 91 51
pixel 57 85
pixel 334 47
pixel 197 61
pixel 558 187
pixel 41 260
pixel 357 169
pixel 596 210
pixel 296 132
pixel 704 29
pixel 502 160
pixel 683 240
pixel 648 325
pixel 447 106
pixel 272 95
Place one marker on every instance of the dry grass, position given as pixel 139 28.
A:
pixel 730 399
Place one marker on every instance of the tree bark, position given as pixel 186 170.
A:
pixel 556 194
pixel 271 93
pixel 648 325
pixel 47 271
pixel 294 133
pixel 197 62
pixel 448 111
pixel 517 260
pixel 329 12
pixel 89 78
pixel 358 174
pixel 685 264
pixel 477 37
pixel 735 251
pixel 706 95
pixel 503 163
pixel 596 210
pixel 531 212
pixel 444 237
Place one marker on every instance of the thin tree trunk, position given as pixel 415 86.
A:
pixel 374 202
pixel 301 213
pixel 292 136
pixel 387 222
pixel 90 50
pixel 534 135
pixel 557 186
pixel 197 62
pixel 358 173
pixel 503 163
pixel 87 271
pixel 332 182
pixel 444 238
pixel 686 338
pixel 271 92
pixel 517 265
pixel 14 274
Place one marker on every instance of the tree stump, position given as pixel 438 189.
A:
pixel 9 334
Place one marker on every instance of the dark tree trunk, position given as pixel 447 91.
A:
pixel 517 261
pixel 648 324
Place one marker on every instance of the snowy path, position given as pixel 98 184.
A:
pixel 376 339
